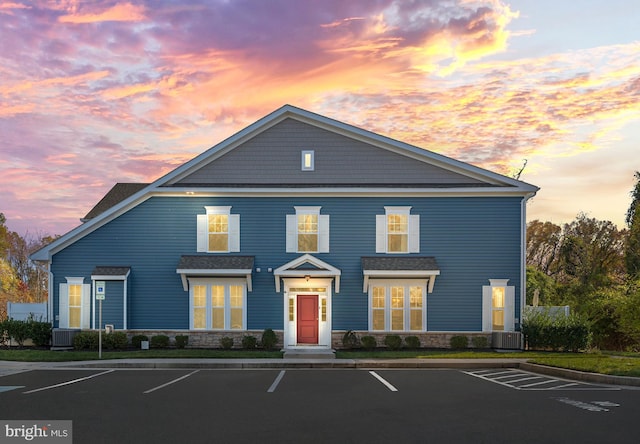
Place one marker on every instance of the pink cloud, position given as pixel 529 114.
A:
pixel 125 12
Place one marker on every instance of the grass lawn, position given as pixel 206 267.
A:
pixel 35 355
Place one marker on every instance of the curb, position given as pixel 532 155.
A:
pixel 596 378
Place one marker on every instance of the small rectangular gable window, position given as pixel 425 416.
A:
pixel 308 160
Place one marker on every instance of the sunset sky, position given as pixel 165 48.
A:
pixel 98 92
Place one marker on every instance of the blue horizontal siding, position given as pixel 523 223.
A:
pixel 473 240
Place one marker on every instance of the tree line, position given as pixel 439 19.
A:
pixel 21 280
pixel 594 267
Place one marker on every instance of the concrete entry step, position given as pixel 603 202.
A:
pixel 309 354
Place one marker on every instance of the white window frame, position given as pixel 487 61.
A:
pixel 488 308
pixel 307 160
pixel 233 232
pixel 227 283
pixel 292 230
pixel 387 284
pixel 413 230
pixel 85 303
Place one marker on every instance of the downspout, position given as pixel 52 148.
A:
pixel 523 261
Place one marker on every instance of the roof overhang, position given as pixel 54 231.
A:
pixel 108 273
pixel 215 266
pixel 320 269
pixel 400 268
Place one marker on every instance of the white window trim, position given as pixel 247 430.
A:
pixel 292 230
pixel 303 158
pixel 85 303
pixel 406 283
pixel 509 305
pixel 233 244
pixel 226 282
pixel 413 230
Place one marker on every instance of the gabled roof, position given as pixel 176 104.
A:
pixel 124 197
pixel 307 265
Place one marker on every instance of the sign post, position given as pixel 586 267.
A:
pixel 100 293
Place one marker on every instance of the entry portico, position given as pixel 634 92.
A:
pixel 307 294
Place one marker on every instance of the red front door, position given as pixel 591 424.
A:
pixel 308 319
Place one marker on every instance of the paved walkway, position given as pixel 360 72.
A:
pixel 10 367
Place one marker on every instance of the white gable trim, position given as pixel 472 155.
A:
pixel 323 269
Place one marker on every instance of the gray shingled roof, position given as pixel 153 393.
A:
pixel 399 263
pixel 202 262
pixel 114 196
pixel 110 271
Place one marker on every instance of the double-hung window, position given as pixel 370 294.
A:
pixel 397 305
pixel 397 231
pixel 218 304
pixel 218 230
pixel 307 231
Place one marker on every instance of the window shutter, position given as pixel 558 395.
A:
pixel 292 233
pixel 85 321
pixel 323 233
pixel 487 306
pixel 509 308
pixel 234 232
pixel 63 306
pixel 381 233
pixel 202 241
pixel 414 233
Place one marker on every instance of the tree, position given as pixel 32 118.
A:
pixel 543 243
pixel 632 250
pixel 591 254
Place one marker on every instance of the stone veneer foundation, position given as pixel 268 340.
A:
pixel 211 339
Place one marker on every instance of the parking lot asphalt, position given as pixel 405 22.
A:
pixel 319 405
pixel 8 367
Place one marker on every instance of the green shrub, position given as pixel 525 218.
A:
pixel 159 341
pixel 249 342
pixel 269 339
pixel 368 342
pixel 568 333
pixel 136 340
pixel 394 342
pixel 459 342
pixel 226 342
pixel 4 338
pixel 350 339
pixel 18 330
pixel 86 340
pixel 182 341
pixel 116 340
pixel 412 341
pixel 480 342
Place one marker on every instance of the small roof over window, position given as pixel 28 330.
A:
pixel 400 268
pixel 210 266
pixel 109 273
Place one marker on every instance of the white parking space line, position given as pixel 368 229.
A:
pixel 276 382
pixel 62 384
pixel 170 382
pixel 384 381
